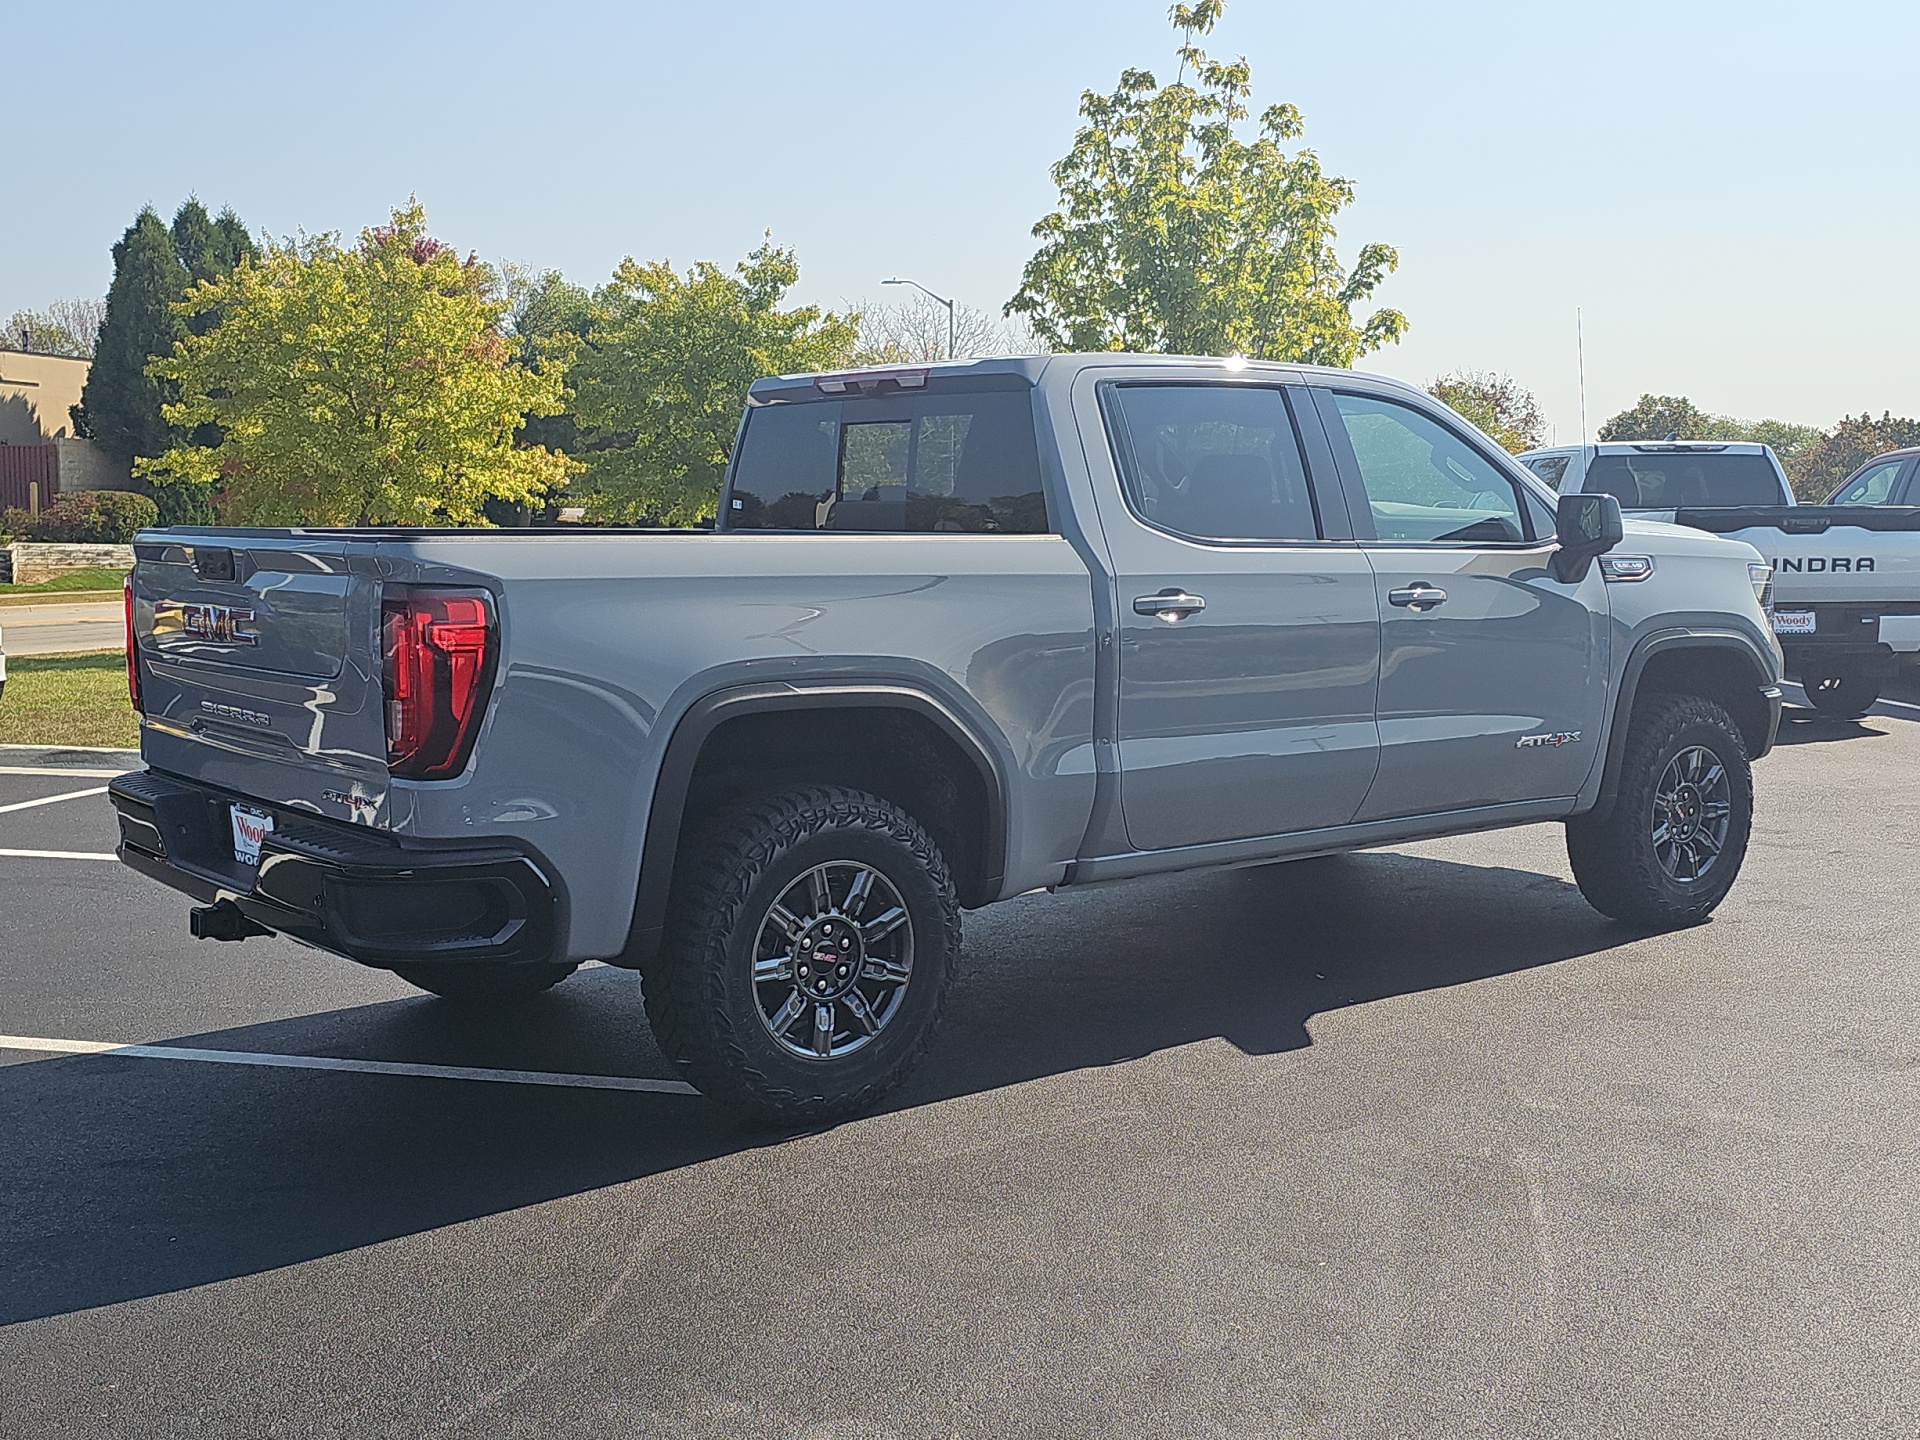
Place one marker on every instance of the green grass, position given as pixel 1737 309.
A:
pixel 67 700
pixel 104 578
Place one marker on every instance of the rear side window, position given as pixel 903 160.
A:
pixel 1550 468
pixel 963 463
pixel 1215 462
pixel 1673 480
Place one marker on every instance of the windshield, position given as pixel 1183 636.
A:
pixel 1673 480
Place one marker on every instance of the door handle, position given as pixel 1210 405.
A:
pixel 1417 597
pixel 1171 606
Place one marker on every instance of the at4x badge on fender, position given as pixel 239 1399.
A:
pixel 1554 740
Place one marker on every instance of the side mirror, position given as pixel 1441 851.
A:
pixel 1588 527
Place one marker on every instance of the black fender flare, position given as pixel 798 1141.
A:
pixel 1661 643
pixel 710 712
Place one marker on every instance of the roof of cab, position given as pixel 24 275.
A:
pixel 1030 368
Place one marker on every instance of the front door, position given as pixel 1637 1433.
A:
pixel 1249 638
pixel 1492 672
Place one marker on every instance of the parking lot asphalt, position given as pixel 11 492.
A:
pixel 1409 1143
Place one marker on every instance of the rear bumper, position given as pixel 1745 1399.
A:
pixel 346 888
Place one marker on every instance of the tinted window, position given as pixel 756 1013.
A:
pixel 1550 468
pixel 1425 484
pixel 1217 462
pixel 1871 488
pixel 952 462
pixel 1672 479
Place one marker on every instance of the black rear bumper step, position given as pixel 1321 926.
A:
pixel 345 888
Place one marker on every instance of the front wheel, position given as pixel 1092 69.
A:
pixel 811 942
pixel 1842 692
pixel 1668 851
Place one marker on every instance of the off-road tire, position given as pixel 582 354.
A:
pixel 700 990
pixel 1842 693
pixel 1614 856
pixel 484 983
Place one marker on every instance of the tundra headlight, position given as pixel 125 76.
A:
pixel 1761 573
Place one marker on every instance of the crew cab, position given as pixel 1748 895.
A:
pixel 1846 578
pixel 959 633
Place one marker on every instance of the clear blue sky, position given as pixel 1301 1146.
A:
pixel 1726 189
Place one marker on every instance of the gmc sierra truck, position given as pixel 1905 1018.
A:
pixel 959 633
pixel 1846 578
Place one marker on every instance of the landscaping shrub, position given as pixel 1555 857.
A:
pixel 85 517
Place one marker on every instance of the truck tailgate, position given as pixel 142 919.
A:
pixel 1828 554
pixel 260 666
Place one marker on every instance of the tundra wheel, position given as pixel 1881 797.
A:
pixel 1671 847
pixel 1842 693
pixel 809 950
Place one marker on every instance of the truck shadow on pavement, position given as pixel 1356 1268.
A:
pixel 124 1177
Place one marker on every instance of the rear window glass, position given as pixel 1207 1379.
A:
pixel 962 463
pixel 1672 480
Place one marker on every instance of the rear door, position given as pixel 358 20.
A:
pixel 1492 672
pixel 1249 639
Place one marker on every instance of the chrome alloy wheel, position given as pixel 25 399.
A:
pixel 1692 809
pixel 832 960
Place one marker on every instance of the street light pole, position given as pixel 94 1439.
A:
pixel 937 299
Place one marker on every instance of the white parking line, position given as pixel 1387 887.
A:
pixel 58 855
pixel 64 772
pixel 43 1045
pixel 53 799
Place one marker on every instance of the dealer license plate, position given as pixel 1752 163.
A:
pixel 250 827
pixel 1793 622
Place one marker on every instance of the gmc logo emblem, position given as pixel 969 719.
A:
pixel 218 623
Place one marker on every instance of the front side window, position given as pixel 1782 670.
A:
pixel 1424 484
pixel 1871 488
pixel 959 462
pixel 1214 462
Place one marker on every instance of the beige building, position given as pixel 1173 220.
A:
pixel 36 396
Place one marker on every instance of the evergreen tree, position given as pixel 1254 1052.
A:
pixel 122 401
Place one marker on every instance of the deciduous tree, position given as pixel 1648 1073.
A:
pixel 368 385
pixel 66 327
pixel 1497 404
pixel 664 372
pixel 1849 445
pixel 1655 417
pixel 1175 234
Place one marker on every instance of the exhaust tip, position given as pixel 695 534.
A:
pixel 222 921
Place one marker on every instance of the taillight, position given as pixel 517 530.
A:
pixel 440 648
pixel 133 648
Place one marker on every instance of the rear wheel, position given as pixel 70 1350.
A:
pixel 1842 692
pixel 482 983
pixel 810 945
pixel 1670 848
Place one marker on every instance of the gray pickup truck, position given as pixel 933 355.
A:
pixel 960 633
